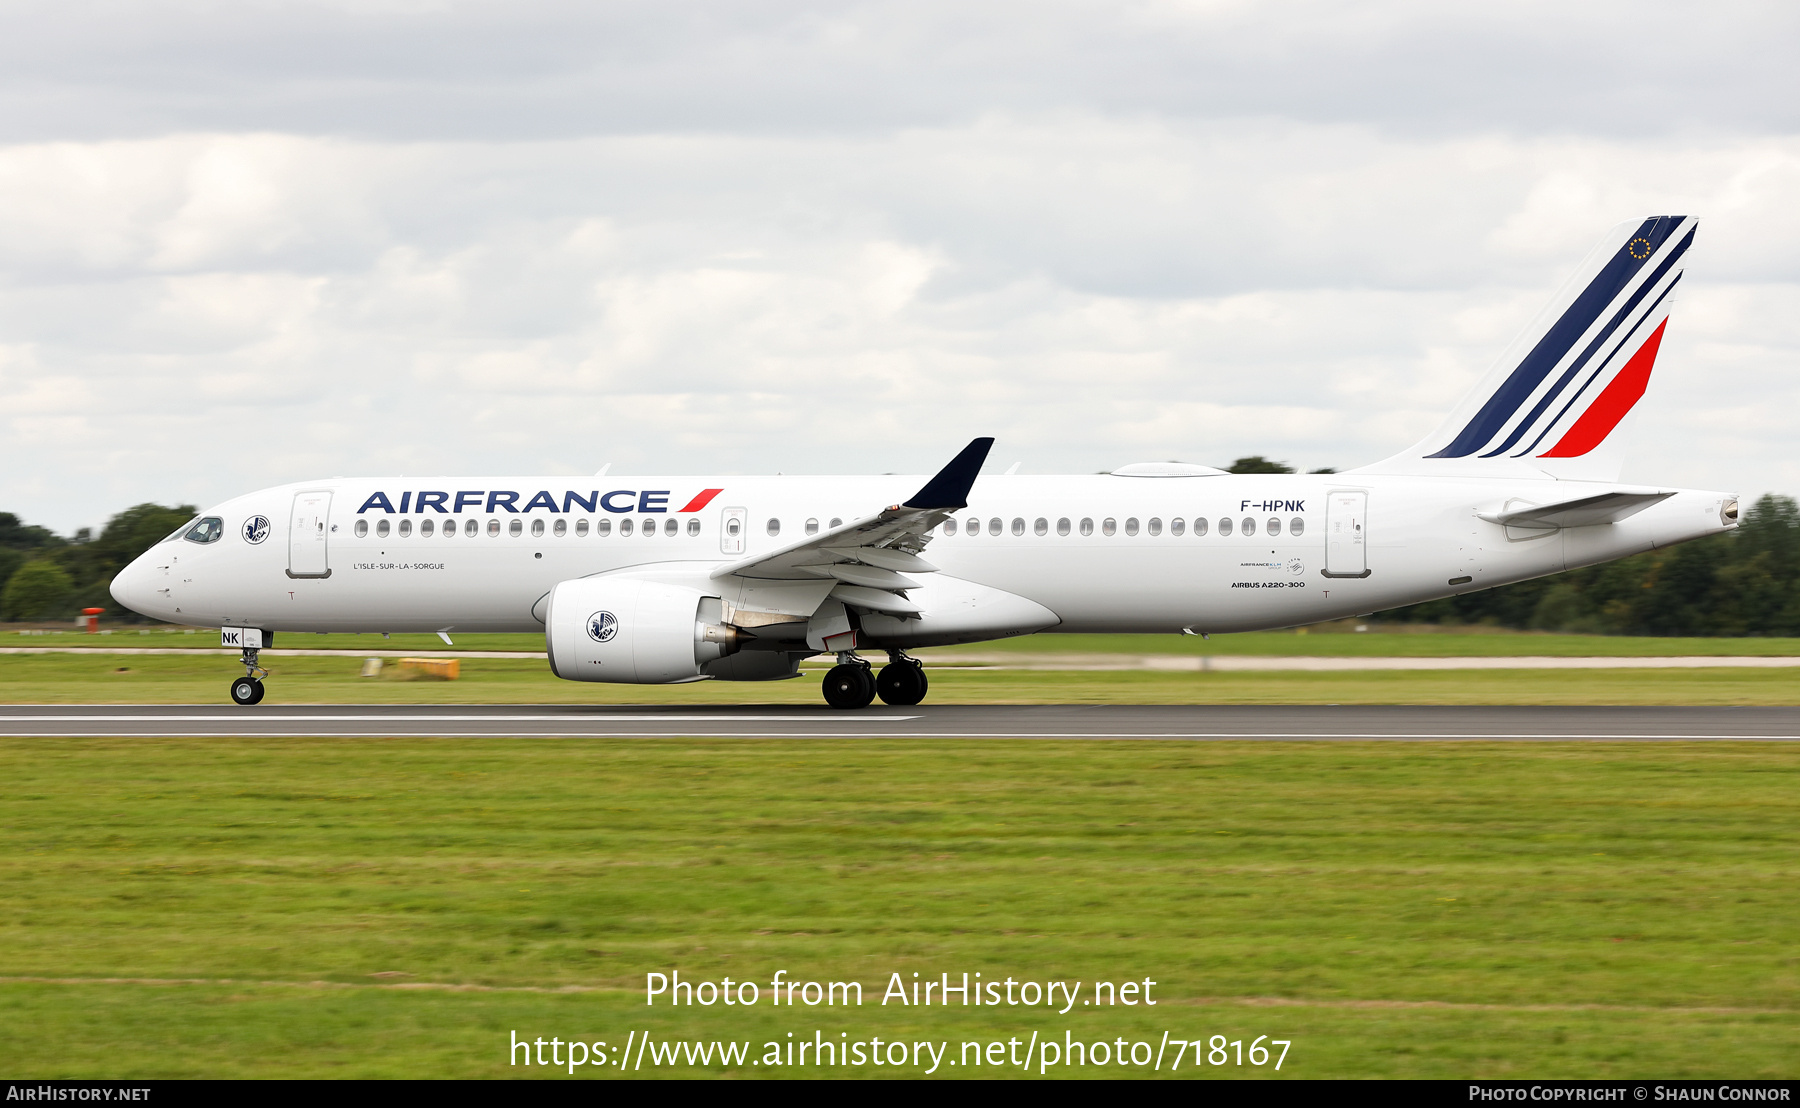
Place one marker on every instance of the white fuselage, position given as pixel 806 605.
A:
pixel 1130 569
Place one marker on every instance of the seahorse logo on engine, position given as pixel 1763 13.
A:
pixel 602 626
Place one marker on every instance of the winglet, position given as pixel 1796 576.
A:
pixel 950 488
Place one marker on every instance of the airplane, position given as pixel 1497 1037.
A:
pixel 663 580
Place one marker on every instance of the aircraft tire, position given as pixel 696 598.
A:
pixel 849 687
pixel 246 691
pixel 902 684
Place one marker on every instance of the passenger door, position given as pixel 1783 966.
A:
pixel 1346 534
pixel 308 532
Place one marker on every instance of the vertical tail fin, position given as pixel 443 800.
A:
pixel 1554 403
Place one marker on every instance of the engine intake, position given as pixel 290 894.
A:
pixel 633 632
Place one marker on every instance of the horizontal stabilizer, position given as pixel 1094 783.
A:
pixel 1607 507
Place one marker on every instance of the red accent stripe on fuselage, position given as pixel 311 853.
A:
pixel 702 500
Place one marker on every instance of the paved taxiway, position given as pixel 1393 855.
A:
pixel 1112 721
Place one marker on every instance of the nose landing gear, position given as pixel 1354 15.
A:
pixel 248 689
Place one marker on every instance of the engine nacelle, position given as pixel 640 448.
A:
pixel 633 632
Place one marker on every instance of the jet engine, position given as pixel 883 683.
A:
pixel 632 631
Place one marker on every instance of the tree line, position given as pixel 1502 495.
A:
pixel 1743 582
pixel 44 576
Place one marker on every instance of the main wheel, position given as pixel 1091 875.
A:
pixel 246 690
pixel 849 686
pixel 902 684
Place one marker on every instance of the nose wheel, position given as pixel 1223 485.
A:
pixel 248 689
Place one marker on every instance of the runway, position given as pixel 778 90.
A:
pixel 1114 721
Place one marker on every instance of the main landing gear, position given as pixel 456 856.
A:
pixel 853 684
pixel 248 689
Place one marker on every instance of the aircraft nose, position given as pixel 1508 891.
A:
pixel 127 585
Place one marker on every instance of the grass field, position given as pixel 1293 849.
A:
pixel 203 679
pixel 1332 639
pixel 1532 910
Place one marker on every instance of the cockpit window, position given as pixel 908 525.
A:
pixel 209 529
pixel 180 531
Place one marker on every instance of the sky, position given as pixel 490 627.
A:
pixel 255 242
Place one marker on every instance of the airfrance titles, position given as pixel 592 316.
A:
pixel 618 501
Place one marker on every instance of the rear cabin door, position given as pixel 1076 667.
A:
pixel 1346 534
pixel 308 529
pixel 731 530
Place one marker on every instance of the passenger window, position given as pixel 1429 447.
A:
pixel 1249 526
pixel 973 527
pixel 1155 526
pixel 649 528
pixel 1041 527
pixel 602 528
pixel 560 528
pixel 1224 527
pixel 1273 527
pixel 516 528
pixel 1018 527
pixel 381 529
pixel 1177 526
pixel 625 527
pixel 362 531
pixel 426 528
pixel 493 528
pixel 950 528
pixel 1131 526
pixel 836 523
pixel 1109 526
pixel 1296 527
pixel 694 525
pixel 1199 526
pixel 731 527
pixel 405 528
pixel 812 526
pixel 472 528
pixel 1087 526
pixel 581 528
pixel 671 527
pixel 995 525
pixel 537 528
pixel 774 527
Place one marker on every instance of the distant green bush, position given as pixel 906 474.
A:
pixel 39 590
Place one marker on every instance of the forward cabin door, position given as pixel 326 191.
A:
pixel 1346 534
pixel 308 530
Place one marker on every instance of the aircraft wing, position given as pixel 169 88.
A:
pixel 869 558
pixel 1606 507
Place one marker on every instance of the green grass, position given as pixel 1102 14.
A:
pixel 1418 909
pixel 1330 639
pixel 203 679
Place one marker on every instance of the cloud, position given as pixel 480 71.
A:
pixel 430 237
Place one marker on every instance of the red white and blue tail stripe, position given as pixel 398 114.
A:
pixel 1554 401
